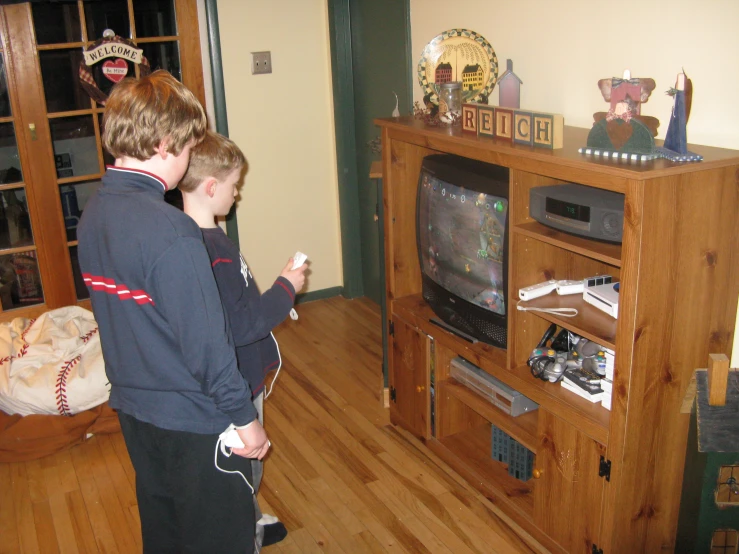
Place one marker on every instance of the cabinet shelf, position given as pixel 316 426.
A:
pixel 469 453
pixel 521 428
pixel 591 418
pixel 590 322
pixel 601 251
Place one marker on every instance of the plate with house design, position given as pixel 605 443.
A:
pixel 458 55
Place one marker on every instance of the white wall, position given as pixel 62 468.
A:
pixel 560 49
pixel 284 124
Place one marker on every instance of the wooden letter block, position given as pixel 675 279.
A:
pixel 522 123
pixel 469 118
pixel 548 130
pixel 504 123
pixel 718 377
pixel 485 124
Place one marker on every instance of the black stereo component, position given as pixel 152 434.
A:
pixel 586 211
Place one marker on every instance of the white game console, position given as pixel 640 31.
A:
pixel 603 297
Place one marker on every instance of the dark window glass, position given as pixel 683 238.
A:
pixel 79 283
pixel 106 14
pixel 20 280
pixel 154 18
pixel 56 22
pixel 4 99
pixel 60 74
pixel 75 146
pixel 163 55
pixel 15 223
pixel 10 164
pixel 108 159
pixel 74 198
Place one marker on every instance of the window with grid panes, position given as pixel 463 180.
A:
pixel 51 157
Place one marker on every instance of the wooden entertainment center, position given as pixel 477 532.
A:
pixel 604 481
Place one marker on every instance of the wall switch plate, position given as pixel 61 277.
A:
pixel 261 62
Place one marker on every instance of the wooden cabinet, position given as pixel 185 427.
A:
pixel 607 481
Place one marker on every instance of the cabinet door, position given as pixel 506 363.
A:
pixel 409 378
pixel 569 492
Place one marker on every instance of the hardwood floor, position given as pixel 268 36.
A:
pixel 340 476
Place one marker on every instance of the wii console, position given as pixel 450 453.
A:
pixel 604 297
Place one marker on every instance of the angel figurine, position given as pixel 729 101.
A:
pixel 676 141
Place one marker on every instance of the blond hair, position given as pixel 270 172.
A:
pixel 141 113
pixel 216 156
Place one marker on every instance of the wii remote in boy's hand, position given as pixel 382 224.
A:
pixel 299 259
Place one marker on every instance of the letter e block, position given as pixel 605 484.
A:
pixel 504 124
pixel 485 121
pixel 548 130
pixel 522 124
pixel 469 118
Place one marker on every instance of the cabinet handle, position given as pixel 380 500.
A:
pixel 536 473
pixel 420 388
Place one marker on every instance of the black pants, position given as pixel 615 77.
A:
pixel 185 503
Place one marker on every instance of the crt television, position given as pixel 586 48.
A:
pixel 462 237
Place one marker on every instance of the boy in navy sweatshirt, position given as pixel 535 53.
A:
pixel 209 189
pixel 168 355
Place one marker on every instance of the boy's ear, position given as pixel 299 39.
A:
pixel 210 186
pixel 162 148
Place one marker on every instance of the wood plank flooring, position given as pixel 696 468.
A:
pixel 340 476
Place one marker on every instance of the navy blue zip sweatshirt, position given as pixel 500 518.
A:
pixel 251 315
pixel 165 340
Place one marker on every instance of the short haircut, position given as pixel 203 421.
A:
pixel 216 156
pixel 140 113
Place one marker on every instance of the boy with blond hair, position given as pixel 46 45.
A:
pixel 209 189
pixel 172 368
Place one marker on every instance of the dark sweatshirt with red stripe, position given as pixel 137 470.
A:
pixel 251 315
pixel 165 341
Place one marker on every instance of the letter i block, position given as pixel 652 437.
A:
pixel 548 130
pixel 485 121
pixel 469 118
pixel 504 124
pixel 522 125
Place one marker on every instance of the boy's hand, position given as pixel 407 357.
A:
pixel 295 276
pixel 255 442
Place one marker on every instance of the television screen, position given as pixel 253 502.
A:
pixel 462 240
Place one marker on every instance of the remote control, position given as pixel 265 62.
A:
pixel 535 291
pixel 230 438
pixel 299 258
pixel 570 287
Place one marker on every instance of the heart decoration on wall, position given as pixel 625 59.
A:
pixel 115 70
pixel 110 46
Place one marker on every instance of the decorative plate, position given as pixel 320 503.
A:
pixel 458 55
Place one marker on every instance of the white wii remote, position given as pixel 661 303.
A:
pixel 535 291
pixel 570 287
pixel 299 259
pixel 230 437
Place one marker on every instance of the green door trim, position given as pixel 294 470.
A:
pixel 346 153
pixel 219 95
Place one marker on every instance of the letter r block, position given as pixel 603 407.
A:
pixel 469 118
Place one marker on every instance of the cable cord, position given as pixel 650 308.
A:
pixel 222 447
pixel 279 367
pixel 561 312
